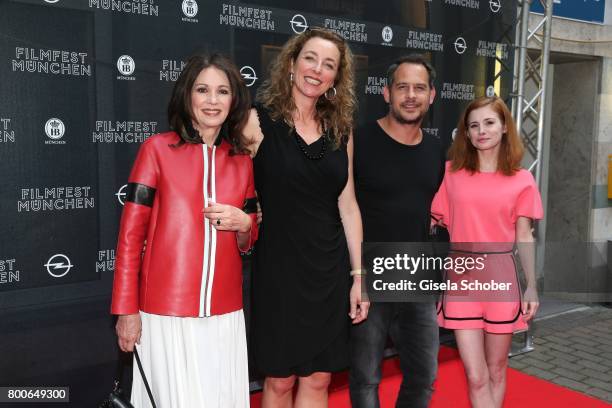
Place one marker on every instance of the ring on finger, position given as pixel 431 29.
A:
pixel 218 221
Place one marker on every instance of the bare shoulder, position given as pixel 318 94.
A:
pixel 252 132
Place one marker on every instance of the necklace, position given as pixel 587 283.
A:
pixel 304 147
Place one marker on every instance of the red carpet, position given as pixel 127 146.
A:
pixel 522 391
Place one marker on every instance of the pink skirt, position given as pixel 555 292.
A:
pixel 487 298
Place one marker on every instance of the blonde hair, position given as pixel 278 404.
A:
pixel 463 154
pixel 336 114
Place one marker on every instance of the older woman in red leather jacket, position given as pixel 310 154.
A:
pixel 191 199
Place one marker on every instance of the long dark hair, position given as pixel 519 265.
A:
pixel 180 114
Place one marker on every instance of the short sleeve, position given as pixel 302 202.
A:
pixel 439 205
pixel 529 201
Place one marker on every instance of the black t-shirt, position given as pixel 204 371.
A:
pixel 395 184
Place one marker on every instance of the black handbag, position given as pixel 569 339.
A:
pixel 116 398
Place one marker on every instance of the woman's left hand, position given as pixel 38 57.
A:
pixel 226 217
pixel 359 306
pixel 530 303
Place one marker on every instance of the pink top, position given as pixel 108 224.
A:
pixel 484 207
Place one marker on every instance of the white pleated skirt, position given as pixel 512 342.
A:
pixel 193 362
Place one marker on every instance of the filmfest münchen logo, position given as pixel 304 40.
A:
pixel 424 40
pixel 375 85
pixel 255 18
pixel 457 91
pixel 460 45
pixel 51 61
pixel 495 5
pixel 171 70
pixel 298 23
pixel 122 131
pixel 492 50
pixel 58 265
pixel 106 260
pixel 473 4
pixel 142 7
pixel 249 75
pixel 55 130
pixel 126 67
pixel 60 198
pixel 387 34
pixel 347 29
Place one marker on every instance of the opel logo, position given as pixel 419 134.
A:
pixel 58 265
pixel 121 194
pixel 249 75
pixel 298 24
pixel 495 5
pixel 460 45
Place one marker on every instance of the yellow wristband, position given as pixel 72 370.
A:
pixel 358 272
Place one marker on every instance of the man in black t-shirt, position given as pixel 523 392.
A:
pixel 398 169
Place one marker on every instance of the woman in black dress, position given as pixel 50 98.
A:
pixel 308 253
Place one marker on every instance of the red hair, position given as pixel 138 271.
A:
pixel 463 154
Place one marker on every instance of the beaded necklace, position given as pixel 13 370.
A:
pixel 304 147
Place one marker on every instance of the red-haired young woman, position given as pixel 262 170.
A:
pixel 488 202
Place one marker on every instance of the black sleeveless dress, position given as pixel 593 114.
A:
pixel 300 281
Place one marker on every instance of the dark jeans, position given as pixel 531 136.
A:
pixel 414 331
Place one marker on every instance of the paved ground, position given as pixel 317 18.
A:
pixel 572 349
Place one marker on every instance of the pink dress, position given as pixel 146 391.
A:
pixel 483 208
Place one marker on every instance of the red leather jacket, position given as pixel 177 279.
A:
pixel 188 267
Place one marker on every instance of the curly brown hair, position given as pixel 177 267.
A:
pixel 336 114
pixel 463 154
